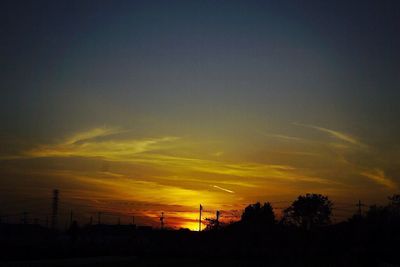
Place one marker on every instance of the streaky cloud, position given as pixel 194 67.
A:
pixel 92 133
pixel 286 137
pixel 336 134
pixel 238 169
pixel 86 144
pixel 378 176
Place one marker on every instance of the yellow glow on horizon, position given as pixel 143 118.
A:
pixel 193 226
pixel 171 173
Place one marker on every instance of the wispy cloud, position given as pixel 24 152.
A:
pixel 218 153
pixel 246 170
pixel 286 137
pixel 210 179
pixel 335 134
pixel 94 144
pixel 299 153
pixel 91 134
pixel 378 176
pixel 157 152
pixel 170 170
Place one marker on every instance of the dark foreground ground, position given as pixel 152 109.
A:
pixel 346 244
pixel 131 261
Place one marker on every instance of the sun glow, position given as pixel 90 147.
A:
pixel 175 174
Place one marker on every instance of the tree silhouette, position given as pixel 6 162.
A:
pixel 258 214
pixel 395 200
pixel 309 211
pixel 377 215
pixel 390 213
pixel 394 206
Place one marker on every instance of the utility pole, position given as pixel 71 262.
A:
pixel 201 209
pixel 54 209
pixel 99 217
pixel 359 205
pixel 162 220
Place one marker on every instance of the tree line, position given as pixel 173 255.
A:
pixel 310 211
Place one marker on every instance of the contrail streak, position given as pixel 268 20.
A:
pixel 223 189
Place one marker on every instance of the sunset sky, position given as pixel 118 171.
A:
pixel 143 107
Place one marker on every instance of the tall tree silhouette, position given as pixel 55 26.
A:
pixel 257 214
pixel 309 211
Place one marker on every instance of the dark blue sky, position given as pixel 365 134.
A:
pixel 298 56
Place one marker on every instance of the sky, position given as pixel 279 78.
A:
pixel 134 108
